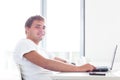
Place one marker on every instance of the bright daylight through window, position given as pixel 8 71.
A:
pixel 63 26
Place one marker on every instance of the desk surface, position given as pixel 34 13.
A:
pixel 84 76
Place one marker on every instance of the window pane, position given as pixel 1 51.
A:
pixel 63 26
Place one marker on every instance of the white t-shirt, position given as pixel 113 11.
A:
pixel 29 70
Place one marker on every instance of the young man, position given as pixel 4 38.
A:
pixel 34 62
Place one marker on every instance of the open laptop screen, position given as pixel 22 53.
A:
pixel 105 68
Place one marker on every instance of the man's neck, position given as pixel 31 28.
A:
pixel 35 41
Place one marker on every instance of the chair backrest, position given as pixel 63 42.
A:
pixel 13 67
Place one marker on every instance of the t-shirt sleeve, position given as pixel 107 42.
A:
pixel 24 47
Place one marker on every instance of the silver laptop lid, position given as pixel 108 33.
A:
pixel 113 59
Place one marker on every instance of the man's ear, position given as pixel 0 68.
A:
pixel 26 29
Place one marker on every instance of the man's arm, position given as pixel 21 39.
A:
pixel 59 59
pixel 63 60
pixel 54 65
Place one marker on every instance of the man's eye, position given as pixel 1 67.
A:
pixel 44 27
pixel 37 27
pixel 40 27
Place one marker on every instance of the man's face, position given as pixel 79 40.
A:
pixel 36 31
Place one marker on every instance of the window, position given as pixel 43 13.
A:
pixel 63 26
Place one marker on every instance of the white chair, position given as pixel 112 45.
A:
pixel 13 68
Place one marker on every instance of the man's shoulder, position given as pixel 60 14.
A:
pixel 25 41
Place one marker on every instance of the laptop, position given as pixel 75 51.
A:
pixel 105 68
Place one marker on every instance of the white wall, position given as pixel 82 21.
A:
pixel 102 29
pixel 13 14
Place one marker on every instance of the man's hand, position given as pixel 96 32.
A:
pixel 86 67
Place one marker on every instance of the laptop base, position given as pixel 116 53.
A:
pixel 101 69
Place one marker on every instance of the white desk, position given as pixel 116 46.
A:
pixel 84 76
